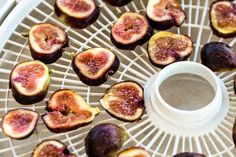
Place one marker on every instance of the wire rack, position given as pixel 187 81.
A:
pixel 134 66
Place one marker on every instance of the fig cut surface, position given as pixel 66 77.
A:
pixel 51 148
pixel 223 18
pixel 77 13
pixel 67 111
pixel 124 100
pixel 29 81
pixel 163 14
pixel 19 123
pixel 46 42
pixel 165 48
pixel 130 30
pixel 133 152
pixel 95 65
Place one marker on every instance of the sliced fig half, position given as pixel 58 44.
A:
pixel 46 42
pixel 29 82
pixel 223 18
pixel 133 152
pixel 77 13
pixel 218 56
pixel 52 148
pixel 165 48
pixel 189 155
pixel 163 14
pixel 104 140
pixel 124 100
pixel 118 2
pixel 19 123
pixel 67 111
pixel 95 65
pixel 130 30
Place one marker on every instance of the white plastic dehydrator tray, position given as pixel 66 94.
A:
pixel 216 141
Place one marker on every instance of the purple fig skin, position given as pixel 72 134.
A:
pixel 189 155
pixel 103 78
pixel 132 46
pixel 104 140
pixel 25 99
pixel 117 3
pixel 217 32
pixel 234 84
pixel 78 23
pixel 218 56
pixel 27 135
pixel 141 104
pixel 66 152
pixel 49 58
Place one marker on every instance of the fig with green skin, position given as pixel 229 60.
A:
pixel 95 65
pixel 104 140
pixel 218 56
pixel 133 152
pixel 51 148
pixel 163 14
pixel 19 123
pixel 118 2
pixel 223 18
pixel 189 155
pixel 130 30
pixel 67 111
pixel 165 48
pixel 46 42
pixel 234 133
pixel 29 82
pixel 77 13
pixel 124 100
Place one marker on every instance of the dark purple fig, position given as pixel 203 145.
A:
pixel 51 148
pixel 189 155
pixel 19 123
pixel 165 48
pixel 234 133
pixel 77 13
pixel 124 100
pixel 67 111
pixel 29 82
pixel 104 140
pixel 46 42
pixel 95 65
pixel 223 18
pixel 130 30
pixel 133 152
pixel 218 56
pixel 163 14
pixel 118 2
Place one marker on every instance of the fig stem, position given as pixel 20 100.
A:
pixel 25 34
pixel 72 54
pixel 51 71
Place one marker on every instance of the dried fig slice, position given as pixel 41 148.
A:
pixel 77 13
pixel 19 123
pixel 189 155
pixel 118 2
pixel 234 133
pixel 104 140
pixel 46 42
pixel 133 152
pixel 163 14
pixel 223 18
pixel 218 56
pixel 124 100
pixel 130 30
pixel 67 111
pixel 51 148
pixel 95 65
pixel 165 48
pixel 29 82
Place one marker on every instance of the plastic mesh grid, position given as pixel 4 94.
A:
pixel 134 66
